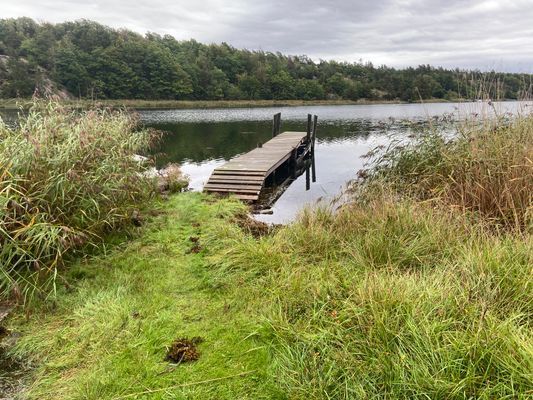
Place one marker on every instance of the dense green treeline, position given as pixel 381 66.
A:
pixel 88 60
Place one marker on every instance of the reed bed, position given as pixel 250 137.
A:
pixel 485 168
pixel 66 178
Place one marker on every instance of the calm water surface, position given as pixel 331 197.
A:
pixel 201 140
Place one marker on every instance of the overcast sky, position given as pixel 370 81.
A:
pixel 496 34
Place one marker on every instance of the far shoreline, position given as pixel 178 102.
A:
pixel 12 104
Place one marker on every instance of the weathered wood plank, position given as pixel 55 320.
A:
pixel 251 197
pixel 215 179
pixel 245 174
pixel 234 186
pixel 238 173
pixel 234 191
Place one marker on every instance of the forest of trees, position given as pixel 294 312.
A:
pixel 84 59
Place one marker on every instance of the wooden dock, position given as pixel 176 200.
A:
pixel 245 175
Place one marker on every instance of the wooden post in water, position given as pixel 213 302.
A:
pixel 313 168
pixel 315 123
pixel 307 178
pixel 309 117
pixel 276 125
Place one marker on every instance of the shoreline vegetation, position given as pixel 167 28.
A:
pixel 419 287
pixel 67 178
pixel 13 104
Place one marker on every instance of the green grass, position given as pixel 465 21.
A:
pixel 107 336
pixel 391 301
pixel 402 294
pixel 386 300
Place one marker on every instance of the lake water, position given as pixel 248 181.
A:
pixel 201 140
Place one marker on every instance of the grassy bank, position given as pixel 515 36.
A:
pixel 206 104
pixel 107 336
pixel 391 301
pixel 383 301
pixel 420 288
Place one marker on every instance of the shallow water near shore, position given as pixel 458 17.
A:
pixel 201 140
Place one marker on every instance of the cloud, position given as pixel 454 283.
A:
pixel 467 34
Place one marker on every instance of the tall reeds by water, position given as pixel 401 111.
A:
pixel 66 177
pixel 485 168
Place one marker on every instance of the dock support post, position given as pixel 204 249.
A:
pixel 276 125
pixel 309 117
pixel 313 168
pixel 315 123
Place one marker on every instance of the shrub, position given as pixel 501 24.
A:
pixel 171 179
pixel 66 177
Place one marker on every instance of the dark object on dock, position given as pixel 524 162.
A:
pixel 247 175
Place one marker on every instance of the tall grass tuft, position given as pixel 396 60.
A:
pixel 389 299
pixel 66 177
pixel 486 168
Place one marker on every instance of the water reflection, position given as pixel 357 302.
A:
pixel 201 140
pixel 198 142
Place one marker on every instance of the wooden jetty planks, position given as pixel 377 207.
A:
pixel 245 175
